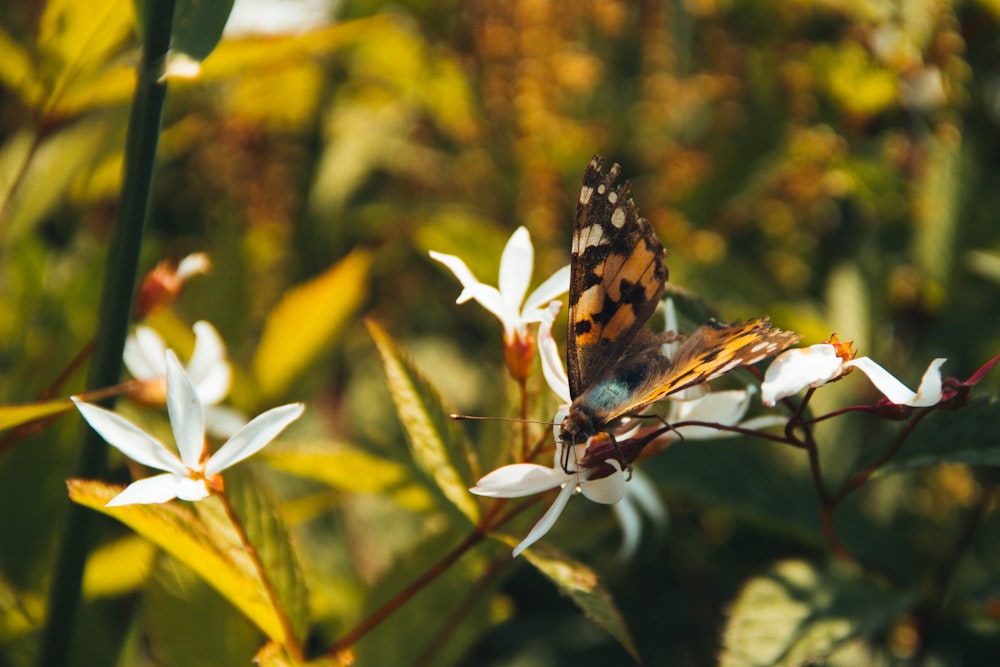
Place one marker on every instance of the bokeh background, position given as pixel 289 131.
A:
pixel 831 164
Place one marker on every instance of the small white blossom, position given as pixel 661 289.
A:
pixel 508 302
pixel 192 475
pixel 814 366
pixel 525 479
pixel 208 369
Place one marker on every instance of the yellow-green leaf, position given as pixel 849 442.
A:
pixel 583 586
pixel 304 322
pixel 216 556
pixel 424 419
pixel 17 71
pixel 22 413
pixel 78 37
pixel 798 613
pixel 348 468
pixel 118 567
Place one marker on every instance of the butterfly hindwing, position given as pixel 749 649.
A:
pixel 617 277
pixel 712 351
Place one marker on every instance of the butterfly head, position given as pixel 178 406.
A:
pixel 577 427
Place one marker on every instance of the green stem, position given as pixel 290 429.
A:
pixel 115 308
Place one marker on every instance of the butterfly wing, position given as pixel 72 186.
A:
pixel 710 352
pixel 616 279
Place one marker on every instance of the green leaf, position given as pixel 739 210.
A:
pixel 78 39
pixel 445 617
pixel 35 178
pixel 22 413
pixel 185 622
pixel 304 322
pixel 970 435
pixel 265 529
pixel 798 613
pixel 217 556
pixel 432 438
pixel 937 207
pixel 198 26
pixel 17 72
pixel 583 586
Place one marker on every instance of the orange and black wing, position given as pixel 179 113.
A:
pixel 617 277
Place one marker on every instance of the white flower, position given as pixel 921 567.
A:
pixel 508 302
pixel 640 498
pixel 208 369
pixel 814 366
pixel 525 479
pixel 192 475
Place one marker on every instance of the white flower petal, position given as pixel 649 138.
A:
pixel 670 326
pixel 555 286
pixel 253 437
pixel 929 391
pixel 762 422
pixel 192 489
pixel 489 298
pixel 630 523
pixel 457 266
pixel 607 490
pixel 129 439
pixel 552 366
pixel 214 386
pixel 143 354
pixel 644 494
pixel 516 265
pixel 192 265
pixel 223 422
pixel 722 407
pixel 520 479
pixel 930 385
pixel 548 519
pixel 156 489
pixel 208 356
pixel 186 417
pixel 641 496
pixel 794 370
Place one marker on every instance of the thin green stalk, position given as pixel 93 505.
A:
pixel 115 308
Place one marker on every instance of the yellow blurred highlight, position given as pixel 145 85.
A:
pixel 302 325
pixel 118 567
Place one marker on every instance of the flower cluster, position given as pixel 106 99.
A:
pixel 601 469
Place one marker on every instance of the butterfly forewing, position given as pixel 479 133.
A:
pixel 617 277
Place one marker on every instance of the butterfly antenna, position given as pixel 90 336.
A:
pixel 458 417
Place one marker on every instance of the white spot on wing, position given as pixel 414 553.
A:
pixel 618 218
pixel 612 197
pixel 601 189
pixel 585 193
pixel 733 363
pixel 589 237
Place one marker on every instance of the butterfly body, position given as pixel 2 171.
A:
pixel 616 365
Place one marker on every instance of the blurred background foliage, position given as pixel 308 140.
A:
pixel 832 164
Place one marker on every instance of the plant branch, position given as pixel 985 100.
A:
pixel 113 319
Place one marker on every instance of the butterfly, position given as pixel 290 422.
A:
pixel 617 276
